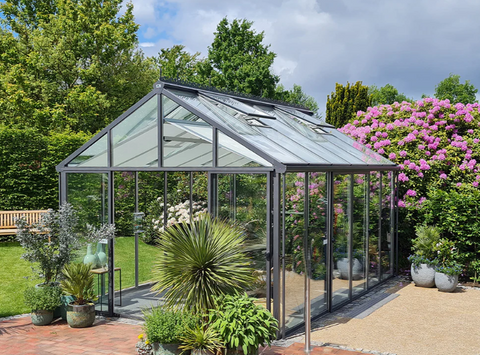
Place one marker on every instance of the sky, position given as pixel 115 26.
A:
pixel 410 44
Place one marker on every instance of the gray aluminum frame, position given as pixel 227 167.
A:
pixel 275 195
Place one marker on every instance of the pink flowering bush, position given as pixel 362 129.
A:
pixel 436 146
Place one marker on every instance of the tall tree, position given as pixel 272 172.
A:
pixel 345 102
pixel 239 61
pixel 296 96
pixel 177 63
pixel 451 88
pixel 75 64
pixel 386 95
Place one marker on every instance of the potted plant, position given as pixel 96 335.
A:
pixel 201 340
pixel 42 301
pixel 423 257
pixel 143 346
pixel 164 328
pixel 447 269
pixel 242 324
pixel 78 282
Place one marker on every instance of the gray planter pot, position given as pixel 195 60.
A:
pixel 423 275
pixel 357 269
pixel 42 317
pixel 81 316
pixel 446 283
pixel 165 349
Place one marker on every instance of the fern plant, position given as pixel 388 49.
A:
pixel 79 282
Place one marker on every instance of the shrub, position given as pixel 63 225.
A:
pixel 200 261
pixel 43 298
pixel 436 145
pixel 78 282
pixel 165 326
pixel 201 338
pixel 242 323
pixel 50 243
pixel 424 244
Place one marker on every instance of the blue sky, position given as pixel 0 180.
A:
pixel 411 44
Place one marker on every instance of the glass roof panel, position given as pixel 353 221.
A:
pixel 304 116
pixel 135 139
pixel 232 153
pixel 237 105
pixel 187 143
pixel 93 156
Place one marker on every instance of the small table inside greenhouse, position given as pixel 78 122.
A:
pixel 101 278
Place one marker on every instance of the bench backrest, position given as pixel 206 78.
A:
pixel 7 218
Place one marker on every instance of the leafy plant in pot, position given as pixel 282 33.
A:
pixel 42 301
pixel 78 282
pixel 423 258
pixel 201 340
pixel 164 328
pixel 242 324
pixel 447 269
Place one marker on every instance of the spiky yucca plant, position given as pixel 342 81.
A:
pixel 78 282
pixel 200 261
pixel 201 338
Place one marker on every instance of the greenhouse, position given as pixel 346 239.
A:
pixel 318 208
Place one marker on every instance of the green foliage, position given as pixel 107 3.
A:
pixel 70 64
pixel 43 298
pixel 296 96
pixel 451 89
pixel 457 214
pixel 200 261
pixel 451 269
pixel 50 243
pixel 28 179
pixel 475 268
pixel 177 63
pixel 165 326
pixel 416 260
pixel 239 61
pixel 242 323
pixel 345 102
pixel 78 281
pixel 386 95
pixel 201 338
pixel 425 243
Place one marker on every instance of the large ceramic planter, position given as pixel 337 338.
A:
pixel 423 275
pixel 201 352
pixel 42 317
pixel 165 349
pixel 446 283
pixel 81 316
pixel 357 269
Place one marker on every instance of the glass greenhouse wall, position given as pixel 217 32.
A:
pixel 318 208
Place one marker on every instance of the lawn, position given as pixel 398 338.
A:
pixel 14 270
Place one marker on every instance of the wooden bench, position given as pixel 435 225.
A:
pixel 8 218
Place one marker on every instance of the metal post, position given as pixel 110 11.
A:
pixel 191 197
pixel 165 200
pixel 63 188
pixel 380 192
pixel 111 251
pixel 136 232
pixel 268 251
pixel 284 177
pixel 306 258
pixel 392 220
pixel 160 130
pixel 329 260
pixel 367 228
pixel 276 245
pixel 350 237
pixel 396 224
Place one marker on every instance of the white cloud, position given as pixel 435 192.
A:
pixel 411 44
pixel 147 44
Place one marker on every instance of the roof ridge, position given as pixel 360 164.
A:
pixel 194 85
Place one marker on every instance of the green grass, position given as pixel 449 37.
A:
pixel 13 271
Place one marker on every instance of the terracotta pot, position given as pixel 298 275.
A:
pixel 80 316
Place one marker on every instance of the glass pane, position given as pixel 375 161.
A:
pixel 135 139
pixel 302 115
pixel 199 193
pixel 124 202
pixel 340 239
pixel 232 153
pixel 150 202
pixel 178 196
pixel 88 193
pixel 294 279
pixel 386 233
pixel 237 105
pixel 317 188
pixel 373 254
pixel 225 208
pixel 236 122
pixel 359 232
pixel 187 144
pixel 94 156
